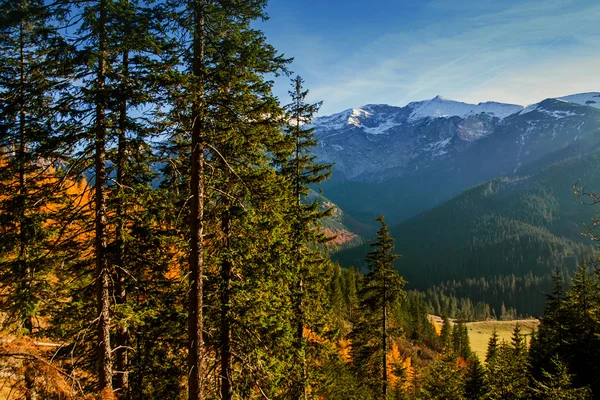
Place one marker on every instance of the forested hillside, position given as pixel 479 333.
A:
pixel 509 226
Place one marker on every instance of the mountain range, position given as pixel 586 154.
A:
pixel 473 193
pixel 402 161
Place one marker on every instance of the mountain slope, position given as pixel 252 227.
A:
pixel 344 230
pixel 401 161
pixel 505 226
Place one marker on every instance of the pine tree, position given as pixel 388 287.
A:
pixel 475 388
pixel 382 288
pixel 506 375
pixel 557 385
pixel 518 341
pixel 197 191
pixel 32 78
pixel 570 330
pixel 136 37
pixel 105 365
pixel 443 380
pixel 446 332
pixel 460 340
pixel 492 348
pixel 228 122
pixel 583 328
pixel 303 170
pixel 551 336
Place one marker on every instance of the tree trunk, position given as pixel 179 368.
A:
pixel 302 393
pixel 226 275
pixel 196 343
pixel 122 339
pixel 385 380
pixel 102 276
pixel 24 267
pixel 301 342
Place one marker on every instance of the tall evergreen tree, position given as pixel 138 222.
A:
pixel 570 330
pixel 460 340
pixel 492 348
pixel 97 24
pixel 443 380
pixel 32 78
pixel 137 40
pixel 475 388
pixel 197 191
pixel 518 341
pixel 506 375
pixel 382 288
pixel 557 384
pixel 303 170
pixel 446 331
pixel 227 122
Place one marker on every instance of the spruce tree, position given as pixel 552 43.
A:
pixel 136 37
pixel 446 332
pixel 475 388
pixel 382 288
pixel 302 169
pixel 227 122
pixel 557 384
pixel 506 375
pixel 460 340
pixel 583 328
pixel 492 348
pixel 569 329
pixel 518 341
pixel 32 78
pixel 443 379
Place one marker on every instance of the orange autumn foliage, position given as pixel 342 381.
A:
pixel 344 348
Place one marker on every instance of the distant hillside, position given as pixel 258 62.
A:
pixel 505 226
pixel 336 225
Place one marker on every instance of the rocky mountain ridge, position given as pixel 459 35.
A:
pixel 404 160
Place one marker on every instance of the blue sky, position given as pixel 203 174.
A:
pixel 354 52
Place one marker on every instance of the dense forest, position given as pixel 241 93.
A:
pixel 160 237
pixel 507 234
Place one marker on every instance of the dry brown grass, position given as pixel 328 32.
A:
pixel 480 332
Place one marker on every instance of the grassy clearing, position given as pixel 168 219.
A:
pixel 480 332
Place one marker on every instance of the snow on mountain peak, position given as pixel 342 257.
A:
pixel 591 99
pixel 377 119
pixel 439 107
pixel 373 119
pixel 356 114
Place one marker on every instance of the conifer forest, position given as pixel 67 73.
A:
pixel 163 234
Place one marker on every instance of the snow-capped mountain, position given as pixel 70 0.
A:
pixel 436 148
pixel 585 99
pixel 439 107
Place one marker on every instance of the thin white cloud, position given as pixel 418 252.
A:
pixel 513 55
